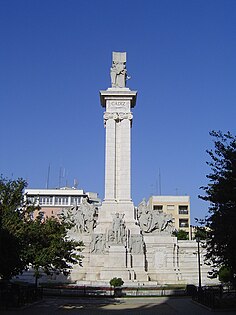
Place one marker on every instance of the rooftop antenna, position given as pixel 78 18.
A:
pixel 75 183
pixel 66 177
pixel 159 181
pixel 60 177
pixel 47 183
pixel 152 192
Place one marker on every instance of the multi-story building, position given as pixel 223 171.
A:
pixel 177 206
pixel 52 201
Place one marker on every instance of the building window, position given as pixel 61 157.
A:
pixel 183 223
pixel 45 200
pixel 170 207
pixel 183 209
pixel 61 201
pixel 159 208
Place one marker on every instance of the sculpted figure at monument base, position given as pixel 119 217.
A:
pixel 83 216
pixel 152 221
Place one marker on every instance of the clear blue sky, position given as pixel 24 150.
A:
pixel 55 56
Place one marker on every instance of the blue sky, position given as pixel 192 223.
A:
pixel 55 56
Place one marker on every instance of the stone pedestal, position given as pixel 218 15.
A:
pixel 115 264
pixel 109 209
pixel 161 254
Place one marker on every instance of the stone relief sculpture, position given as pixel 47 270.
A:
pixel 117 234
pixel 118 70
pixel 83 216
pixel 78 219
pixel 168 225
pixel 90 214
pixel 144 217
pixel 136 244
pixel 151 220
pixel 98 244
pixel 118 228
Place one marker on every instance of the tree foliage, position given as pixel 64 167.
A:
pixel 27 239
pixel 225 274
pixel 221 193
pixel 116 282
pixel 200 232
pixel 181 234
pixel 11 228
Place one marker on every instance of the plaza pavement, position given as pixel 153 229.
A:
pixel 129 306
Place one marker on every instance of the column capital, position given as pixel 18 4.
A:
pixel 117 116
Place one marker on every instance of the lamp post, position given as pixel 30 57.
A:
pixel 199 264
pixel 191 232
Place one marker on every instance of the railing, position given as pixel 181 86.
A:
pixel 216 297
pixel 16 295
pixel 110 291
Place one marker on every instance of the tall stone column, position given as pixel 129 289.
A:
pixel 116 246
pixel 118 102
pixel 110 158
pixel 117 120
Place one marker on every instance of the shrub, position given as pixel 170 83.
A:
pixel 225 274
pixel 116 282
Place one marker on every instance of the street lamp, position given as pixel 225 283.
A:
pixel 199 264
pixel 191 232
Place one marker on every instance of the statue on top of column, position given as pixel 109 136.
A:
pixel 118 70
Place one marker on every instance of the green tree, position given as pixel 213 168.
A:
pixel 181 234
pixel 221 193
pixel 116 282
pixel 200 232
pixel 225 275
pixel 30 240
pixel 10 259
pixel 49 249
pixel 11 227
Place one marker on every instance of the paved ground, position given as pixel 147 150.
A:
pixel 130 306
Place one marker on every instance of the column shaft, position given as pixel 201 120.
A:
pixel 110 159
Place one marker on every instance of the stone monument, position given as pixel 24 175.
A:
pixel 117 240
pixel 120 240
pixel 135 244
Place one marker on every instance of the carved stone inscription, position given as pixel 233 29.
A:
pixel 118 106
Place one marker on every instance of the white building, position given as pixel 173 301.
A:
pixel 52 201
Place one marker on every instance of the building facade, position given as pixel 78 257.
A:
pixel 53 201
